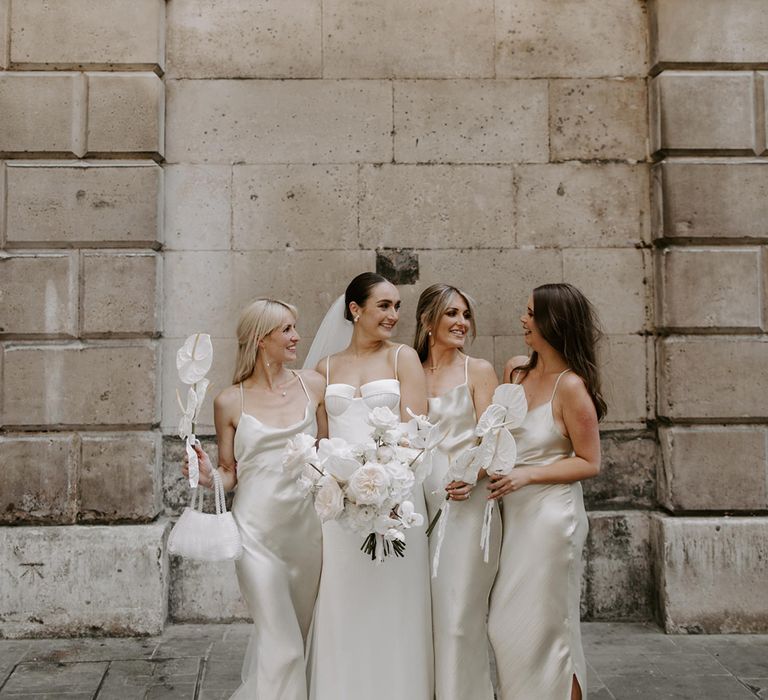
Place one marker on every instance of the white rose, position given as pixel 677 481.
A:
pixel 384 454
pixel 369 485
pixel 337 456
pixel 304 486
pixel 360 518
pixel 329 499
pixel 402 479
pixel 408 515
pixel 383 421
pixel 299 451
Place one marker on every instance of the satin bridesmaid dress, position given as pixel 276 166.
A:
pixel 461 589
pixel 279 571
pixel 534 620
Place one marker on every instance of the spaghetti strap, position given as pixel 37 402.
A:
pixel 242 399
pixel 515 375
pixel 301 381
pixel 466 369
pixel 557 381
pixel 328 369
pixel 397 352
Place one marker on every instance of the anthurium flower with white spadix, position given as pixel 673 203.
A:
pixel 193 361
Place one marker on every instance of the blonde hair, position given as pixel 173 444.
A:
pixel 433 303
pixel 257 320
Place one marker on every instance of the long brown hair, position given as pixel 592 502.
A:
pixel 568 322
pixel 433 302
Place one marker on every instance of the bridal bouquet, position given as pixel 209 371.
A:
pixel 366 487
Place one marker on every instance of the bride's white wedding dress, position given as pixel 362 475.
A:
pixel 372 630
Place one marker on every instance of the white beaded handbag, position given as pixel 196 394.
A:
pixel 206 536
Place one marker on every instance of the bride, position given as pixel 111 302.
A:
pixel 372 632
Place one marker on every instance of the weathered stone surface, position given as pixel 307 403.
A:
pixel 623 367
pixel 714 468
pixel 176 491
pixel 210 289
pixel 275 207
pixel 711 573
pixel 712 377
pixel 627 477
pixel 263 121
pixel 477 121
pixel 120 477
pixel 370 39
pixel 713 199
pixel 193 222
pixel 108 384
pixel 38 294
pixel 39 478
pixel 398 265
pixel 66 581
pixel 78 32
pixel 441 206
pixel 615 281
pixel 42 112
pixel 584 205
pixel 5 7
pixel 603 119
pixel 708 31
pixel 120 293
pixel 703 110
pixel 711 288
pixel 506 346
pixel 619 573
pixel 244 39
pixel 205 592
pixel 84 203
pixel 125 113
pixel 570 38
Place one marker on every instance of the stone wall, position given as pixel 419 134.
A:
pixel 165 162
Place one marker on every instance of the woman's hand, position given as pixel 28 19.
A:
pixel 459 490
pixel 502 484
pixel 204 463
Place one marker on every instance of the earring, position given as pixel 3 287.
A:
pixel 357 318
pixel 429 332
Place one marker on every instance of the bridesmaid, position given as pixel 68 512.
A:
pixel 279 571
pixel 460 388
pixel 534 612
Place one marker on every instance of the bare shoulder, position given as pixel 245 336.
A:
pixel 314 380
pixel 573 390
pixel 228 400
pixel 481 370
pixel 405 353
pixel 512 364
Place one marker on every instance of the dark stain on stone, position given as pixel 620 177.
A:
pixel 398 265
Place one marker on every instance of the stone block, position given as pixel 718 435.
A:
pixel 615 281
pixel 714 468
pixel 81 384
pixel 711 288
pixel 126 112
pixel 370 39
pixel 712 200
pixel 478 121
pixel 5 9
pixel 507 346
pixel 120 477
pixel 220 376
pixel 193 222
pixel 627 476
pixel 582 204
pixel 275 207
pixel 708 31
pixel 120 293
pixel 38 294
pixel 712 377
pixel 176 491
pixel 244 39
pixel 43 112
pixel 265 121
pixel 619 571
pixel 82 204
pixel 441 206
pixel 598 119
pixel 39 478
pixel 210 289
pixel 570 38
pixel 99 33
pixel 623 366
pixel 703 111
pixel 205 592
pixel 727 561
pixel 83 580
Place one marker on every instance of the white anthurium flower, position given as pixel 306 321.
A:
pixel 201 389
pixel 512 397
pixel 337 457
pixel 194 358
pixel 382 420
pixel 369 485
pixel 299 451
pixel 385 522
pixel 408 515
pixel 463 467
pixel 188 413
pixel 329 500
pixel 492 418
pixel 505 455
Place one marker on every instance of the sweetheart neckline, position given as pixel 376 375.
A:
pixel 360 388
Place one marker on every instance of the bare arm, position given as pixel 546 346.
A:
pixel 413 384
pixel 316 386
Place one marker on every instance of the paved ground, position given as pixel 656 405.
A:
pixel 190 661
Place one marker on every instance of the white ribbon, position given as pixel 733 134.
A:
pixel 485 534
pixel 194 465
pixel 446 508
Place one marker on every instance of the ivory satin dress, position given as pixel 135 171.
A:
pixel 461 589
pixel 372 632
pixel 279 571
pixel 534 621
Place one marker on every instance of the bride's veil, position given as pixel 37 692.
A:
pixel 332 336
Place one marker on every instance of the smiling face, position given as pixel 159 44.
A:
pixel 280 344
pixel 380 313
pixel 531 334
pixel 453 325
